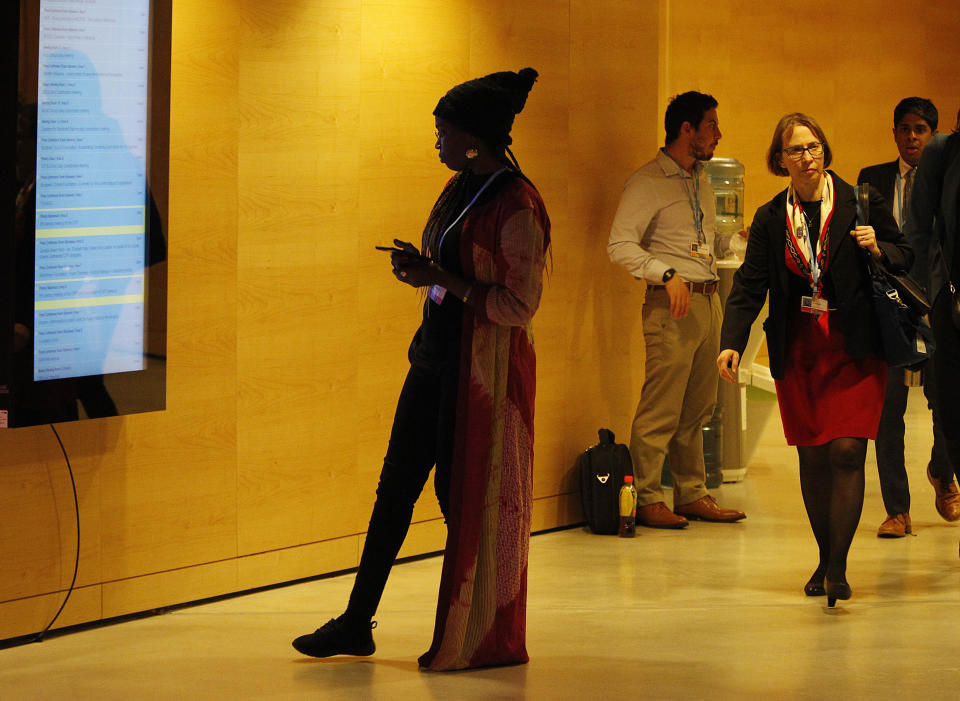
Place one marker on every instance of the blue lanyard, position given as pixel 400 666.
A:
pixel 811 249
pixel 814 263
pixel 692 199
pixel 475 198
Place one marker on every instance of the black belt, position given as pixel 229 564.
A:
pixel 703 288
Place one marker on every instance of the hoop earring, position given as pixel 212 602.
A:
pixel 472 153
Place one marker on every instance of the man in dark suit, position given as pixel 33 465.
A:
pixel 914 124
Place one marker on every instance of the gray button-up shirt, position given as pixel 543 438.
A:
pixel 654 229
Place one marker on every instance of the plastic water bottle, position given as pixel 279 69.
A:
pixel 628 508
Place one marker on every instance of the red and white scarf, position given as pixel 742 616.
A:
pixel 798 241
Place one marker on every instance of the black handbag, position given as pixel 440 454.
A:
pixel 909 290
pixel 900 305
pixel 904 332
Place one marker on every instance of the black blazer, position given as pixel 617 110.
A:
pixel 884 178
pixel 764 271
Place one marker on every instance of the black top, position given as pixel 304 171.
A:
pixel 801 286
pixel 811 212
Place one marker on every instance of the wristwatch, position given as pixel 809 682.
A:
pixel 669 274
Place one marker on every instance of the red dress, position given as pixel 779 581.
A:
pixel 826 393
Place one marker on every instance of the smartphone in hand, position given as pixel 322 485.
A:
pixel 395 249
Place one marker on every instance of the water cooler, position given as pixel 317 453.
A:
pixel 723 434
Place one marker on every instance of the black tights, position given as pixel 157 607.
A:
pixel 831 480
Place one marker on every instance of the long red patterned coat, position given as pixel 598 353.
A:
pixel 481 611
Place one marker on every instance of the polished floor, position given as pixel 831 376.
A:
pixel 712 612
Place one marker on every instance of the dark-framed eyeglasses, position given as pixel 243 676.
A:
pixel 796 152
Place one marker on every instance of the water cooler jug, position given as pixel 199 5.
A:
pixel 726 179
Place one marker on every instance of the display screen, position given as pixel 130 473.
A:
pixel 85 301
pixel 91 187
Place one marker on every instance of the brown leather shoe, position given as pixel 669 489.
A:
pixel 707 509
pixel 895 526
pixel 948 497
pixel 659 516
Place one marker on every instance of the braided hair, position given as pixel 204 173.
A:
pixel 443 212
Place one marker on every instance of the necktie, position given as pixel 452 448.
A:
pixel 907 187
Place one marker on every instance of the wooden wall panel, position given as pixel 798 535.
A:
pixel 298 320
pixel 22 617
pixel 170 503
pixel 205 579
pixel 289 564
pixel 41 542
pixel 301 136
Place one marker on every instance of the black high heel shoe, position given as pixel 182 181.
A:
pixel 814 587
pixel 836 590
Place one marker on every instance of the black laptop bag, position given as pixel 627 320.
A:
pixel 602 469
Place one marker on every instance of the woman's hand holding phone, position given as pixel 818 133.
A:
pixel 409 265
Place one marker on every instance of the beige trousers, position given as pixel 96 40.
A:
pixel 678 397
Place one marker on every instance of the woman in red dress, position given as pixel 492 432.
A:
pixel 806 251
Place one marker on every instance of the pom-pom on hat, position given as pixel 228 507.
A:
pixel 485 107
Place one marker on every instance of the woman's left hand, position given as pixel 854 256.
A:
pixel 866 238
pixel 416 272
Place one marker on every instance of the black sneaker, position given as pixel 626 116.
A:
pixel 338 637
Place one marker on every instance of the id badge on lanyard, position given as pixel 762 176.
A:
pixel 813 303
pixel 698 249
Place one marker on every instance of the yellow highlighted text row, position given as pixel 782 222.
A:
pixel 87 302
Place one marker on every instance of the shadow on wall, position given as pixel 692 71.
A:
pixel 610 301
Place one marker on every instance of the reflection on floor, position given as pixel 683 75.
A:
pixel 712 612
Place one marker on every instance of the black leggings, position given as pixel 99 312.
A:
pixel 422 436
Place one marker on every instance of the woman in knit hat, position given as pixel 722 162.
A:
pixel 466 406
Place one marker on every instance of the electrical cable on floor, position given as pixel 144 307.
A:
pixel 76 563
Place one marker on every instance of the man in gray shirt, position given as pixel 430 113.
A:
pixel 663 233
